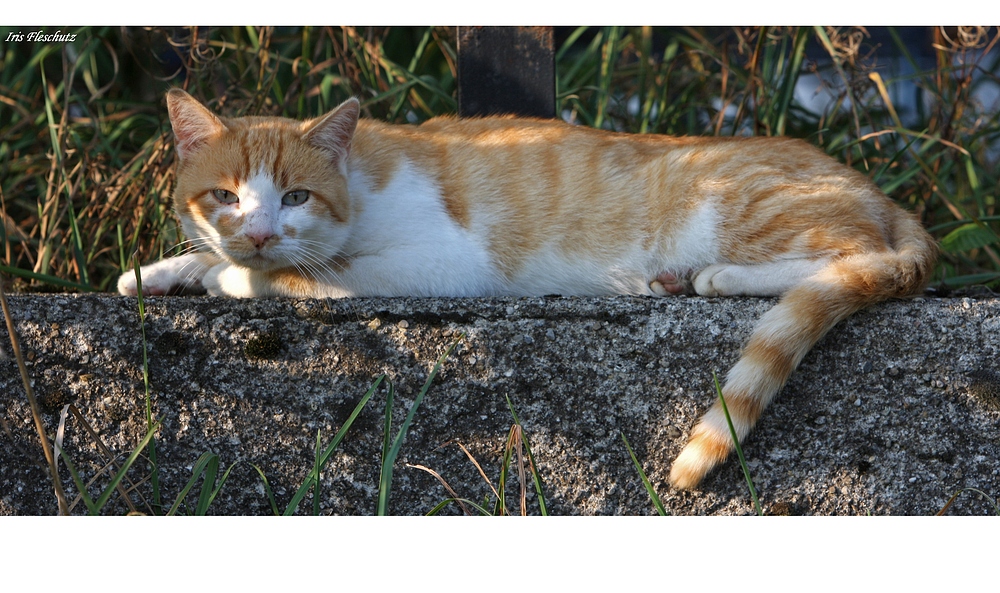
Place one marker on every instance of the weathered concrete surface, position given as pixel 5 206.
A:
pixel 893 412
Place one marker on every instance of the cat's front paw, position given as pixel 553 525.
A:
pixel 175 275
pixel 226 279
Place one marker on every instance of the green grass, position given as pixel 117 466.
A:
pixel 148 396
pixel 86 161
pixel 657 503
pixel 516 452
pixel 738 447
pixel 206 467
pixel 312 480
pixel 390 449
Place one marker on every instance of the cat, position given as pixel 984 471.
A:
pixel 340 207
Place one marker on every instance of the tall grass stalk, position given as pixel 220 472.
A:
pixel 94 506
pixel 312 481
pixel 205 468
pixel 536 477
pixel 657 503
pixel 148 398
pixel 738 447
pixel 391 451
pixel 15 344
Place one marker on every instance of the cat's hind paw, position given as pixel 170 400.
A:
pixel 714 281
pixel 668 284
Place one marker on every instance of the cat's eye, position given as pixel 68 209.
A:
pixel 294 198
pixel 224 196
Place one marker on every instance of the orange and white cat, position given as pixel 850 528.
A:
pixel 337 207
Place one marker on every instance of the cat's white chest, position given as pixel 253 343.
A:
pixel 403 242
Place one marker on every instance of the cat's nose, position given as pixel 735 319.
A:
pixel 259 239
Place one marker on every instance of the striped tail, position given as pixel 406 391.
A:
pixel 788 331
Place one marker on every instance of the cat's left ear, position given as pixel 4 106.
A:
pixel 333 132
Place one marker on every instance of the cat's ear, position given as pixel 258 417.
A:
pixel 193 124
pixel 333 131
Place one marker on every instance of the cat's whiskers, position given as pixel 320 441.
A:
pixel 300 269
pixel 192 270
pixel 189 244
pixel 319 258
pixel 195 244
pixel 319 266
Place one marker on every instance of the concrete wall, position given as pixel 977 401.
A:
pixel 893 412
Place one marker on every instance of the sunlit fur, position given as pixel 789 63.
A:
pixel 505 206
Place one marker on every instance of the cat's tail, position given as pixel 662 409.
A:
pixel 786 333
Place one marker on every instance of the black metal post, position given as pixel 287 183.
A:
pixel 506 70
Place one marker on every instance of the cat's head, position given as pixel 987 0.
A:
pixel 263 192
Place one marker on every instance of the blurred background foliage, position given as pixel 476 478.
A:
pixel 86 162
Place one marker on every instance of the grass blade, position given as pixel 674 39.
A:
pixel 968 237
pixel 110 488
pixel 536 477
pixel 207 485
pixel 15 344
pixel 267 490
pixel 46 278
pixel 447 486
pixel 645 481
pixel 792 72
pixel 155 471
pixel 385 482
pixel 462 501
pixel 739 449
pixel 203 509
pixel 206 465
pixel 386 440
pixel 325 457
pixel 80 485
pixel 500 506
pixel 608 57
pixel 969 279
pixel 316 472
pixel 105 451
pixel 955 496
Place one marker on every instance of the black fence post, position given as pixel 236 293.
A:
pixel 506 70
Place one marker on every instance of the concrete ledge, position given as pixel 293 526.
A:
pixel 893 412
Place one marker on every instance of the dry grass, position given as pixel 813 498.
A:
pixel 86 163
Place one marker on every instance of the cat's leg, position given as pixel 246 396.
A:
pixel 385 274
pixel 175 275
pixel 226 279
pixel 769 279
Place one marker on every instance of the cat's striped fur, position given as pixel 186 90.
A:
pixel 503 206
